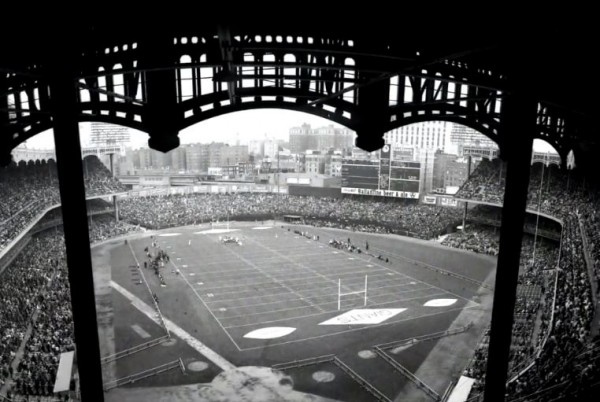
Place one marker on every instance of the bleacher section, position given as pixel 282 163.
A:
pixel 565 330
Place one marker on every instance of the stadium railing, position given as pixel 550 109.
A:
pixel 134 349
pixel 361 381
pixel 448 390
pixel 428 337
pixel 144 374
pixel 38 217
pixel 538 353
pixel 304 362
pixel 588 259
pixel 405 372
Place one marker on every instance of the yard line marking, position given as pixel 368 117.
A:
pixel 175 329
pixel 393 294
pixel 438 269
pixel 209 310
pixel 334 301
pixel 250 263
pixel 358 283
pixel 335 310
pixel 408 276
pixel 306 280
pixel 295 263
pixel 140 331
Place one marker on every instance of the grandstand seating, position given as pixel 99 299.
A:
pixel 423 221
pixel 559 345
pixel 566 328
pixel 27 189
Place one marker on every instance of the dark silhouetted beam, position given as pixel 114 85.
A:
pixel 518 119
pixel 72 194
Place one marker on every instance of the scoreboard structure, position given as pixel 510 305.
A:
pixel 109 134
pixel 384 177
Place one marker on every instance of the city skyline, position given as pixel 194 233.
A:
pixel 239 127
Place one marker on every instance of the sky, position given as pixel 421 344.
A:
pixel 243 126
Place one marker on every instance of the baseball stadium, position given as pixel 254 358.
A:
pixel 415 249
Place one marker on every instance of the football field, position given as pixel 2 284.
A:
pixel 275 295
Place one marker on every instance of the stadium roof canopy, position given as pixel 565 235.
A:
pixel 549 54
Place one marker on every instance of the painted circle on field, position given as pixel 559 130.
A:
pixel 440 302
pixel 323 376
pixel 269 333
pixel 367 354
pixel 169 342
pixel 197 366
pixel 169 234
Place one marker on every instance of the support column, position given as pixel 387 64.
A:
pixel 116 207
pixel 518 125
pixel 72 195
pixel 464 222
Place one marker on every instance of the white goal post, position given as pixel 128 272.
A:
pixel 340 294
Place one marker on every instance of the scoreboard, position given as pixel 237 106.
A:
pixel 360 174
pixel 405 176
pixel 384 177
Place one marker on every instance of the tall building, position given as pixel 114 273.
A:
pixel 319 162
pixel 432 135
pixel 271 147
pixel 324 138
pixel 161 160
pixel 462 136
pixel 193 158
pixel 456 173
pixel 233 154
pixel 145 159
pixel 299 137
pixel 256 147
pixel 333 164
pixel 427 158
pixel 314 162
pixel 440 165
pixel 178 159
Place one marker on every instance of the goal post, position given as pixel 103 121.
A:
pixel 363 292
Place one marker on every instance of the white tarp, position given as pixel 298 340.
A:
pixel 63 375
pixel 461 391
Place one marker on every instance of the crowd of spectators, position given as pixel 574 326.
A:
pixel 34 292
pixel 573 313
pixel 533 306
pixel 567 313
pixel 486 183
pixel 104 227
pixel 478 238
pixel 162 211
pixel 98 179
pixel 27 189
